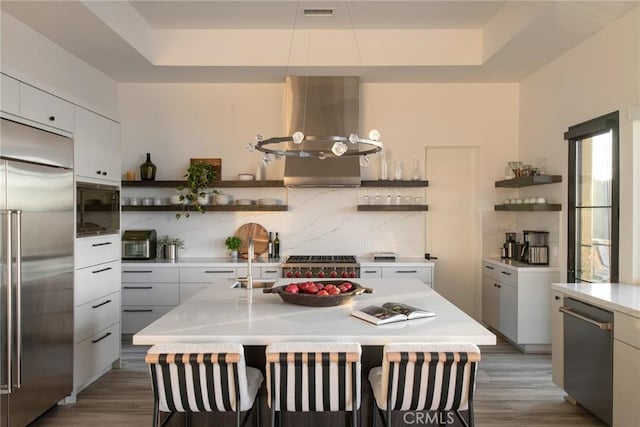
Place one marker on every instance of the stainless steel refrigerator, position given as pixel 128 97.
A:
pixel 36 250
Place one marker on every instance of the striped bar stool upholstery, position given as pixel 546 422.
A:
pixel 313 377
pixel 203 377
pixel 434 377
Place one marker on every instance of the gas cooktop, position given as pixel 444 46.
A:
pixel 322 259
pixel 321 266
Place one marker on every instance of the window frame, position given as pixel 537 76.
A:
pixel 576 133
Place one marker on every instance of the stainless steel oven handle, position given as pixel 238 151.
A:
pixel 18 298
pixel 7 388
pixel 606 326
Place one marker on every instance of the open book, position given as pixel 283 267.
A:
pixel 390 312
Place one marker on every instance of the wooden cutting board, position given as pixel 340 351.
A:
pixel 260 239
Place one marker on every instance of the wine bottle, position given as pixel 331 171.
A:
pixel 270 247
pixel 148 170
pixel 276 247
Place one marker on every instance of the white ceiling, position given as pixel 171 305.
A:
pixel 263 40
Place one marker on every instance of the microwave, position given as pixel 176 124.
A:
pixel 97 209
pixel 139 244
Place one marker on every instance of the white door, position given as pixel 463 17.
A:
pixel 452 229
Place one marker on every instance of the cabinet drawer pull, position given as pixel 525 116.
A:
pixel 406 271
pixel 556 298
pixel 370 271
pixel 489 267
pixel 101 244
pixel 101 304
pixel 271 271
pixel 506 273
pixel 101 338
pixel 101 270
pixel 52 118
pixel 146 310
pixel 138 271
pixel 138 287
pixel 219 271
pixel 104 173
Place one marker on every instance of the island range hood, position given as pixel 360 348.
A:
pixel 322 106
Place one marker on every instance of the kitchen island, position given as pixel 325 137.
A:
pixel 220 313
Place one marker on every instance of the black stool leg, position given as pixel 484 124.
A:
pixel 156 411
pixel 187 419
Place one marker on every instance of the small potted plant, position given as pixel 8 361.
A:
pixel 169 246
pixel 233 243
pixel 199 175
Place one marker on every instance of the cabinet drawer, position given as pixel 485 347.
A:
pixel 150 293
pixel 96 354
pixel 10 95
pixel 96 281
pixel 491 271
pixel 45 108
pixel 508 277
pixel 206 275
pixel 270 272
pixel 371 272
pixel 94 316
pixel 136 317
pixel 149 274
pixel 422 273
pixel 627 329
pixel 97 250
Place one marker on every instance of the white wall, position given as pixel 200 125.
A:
pixel 32 58
pixel 599 76
pixel 175 122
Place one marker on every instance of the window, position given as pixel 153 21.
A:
pixel 592 246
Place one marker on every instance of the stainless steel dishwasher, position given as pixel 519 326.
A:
pixel 588 357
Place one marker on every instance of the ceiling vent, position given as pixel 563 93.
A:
pixel 318 12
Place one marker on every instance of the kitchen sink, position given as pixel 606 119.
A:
pixel 241 283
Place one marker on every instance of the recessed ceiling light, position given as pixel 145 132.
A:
pixel 318 12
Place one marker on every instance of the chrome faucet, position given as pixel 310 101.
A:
pixel 250 255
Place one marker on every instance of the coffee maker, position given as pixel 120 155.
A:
pixel 536 247
pixel 511 248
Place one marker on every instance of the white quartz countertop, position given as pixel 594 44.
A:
pixel 620 297
pixel 203 262
pixel 519 266
pixel 219 314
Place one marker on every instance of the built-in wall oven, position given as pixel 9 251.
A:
pixel 97 209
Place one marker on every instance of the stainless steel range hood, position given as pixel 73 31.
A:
pixel 322 106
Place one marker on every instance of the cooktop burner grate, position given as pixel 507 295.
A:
pixel 322 259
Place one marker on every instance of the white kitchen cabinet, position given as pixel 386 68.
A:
pixel 370 272
pixel 42 107
pixel 148 293
pixel 557 339
pixel 97 308
pixel 10 95
pixel 417 272
pixel 515 302
pixel 626 370
pixel 97 146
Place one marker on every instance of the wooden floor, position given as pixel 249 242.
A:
pixel 513 389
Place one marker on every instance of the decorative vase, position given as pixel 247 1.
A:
pixel 148 170
pixel 169 252
pixel 233 254
pixel 415 175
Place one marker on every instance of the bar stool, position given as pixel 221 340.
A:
pixel 434 377
pixel 313 377
pixel 203 377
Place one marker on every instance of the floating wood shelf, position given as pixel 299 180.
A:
pixel 526 181
pixel 212 208
pixel 386 183
pixel 533 207
pixel 214 184
pixel 393 208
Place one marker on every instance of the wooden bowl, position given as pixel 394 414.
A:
pixel 312 300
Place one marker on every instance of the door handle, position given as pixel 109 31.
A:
pixel 8 387
pixel 606 326
pixel 18 298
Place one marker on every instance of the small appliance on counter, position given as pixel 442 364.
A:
pixel 511 248
pixel 139 244
pixel 536 247
pixel 384 256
